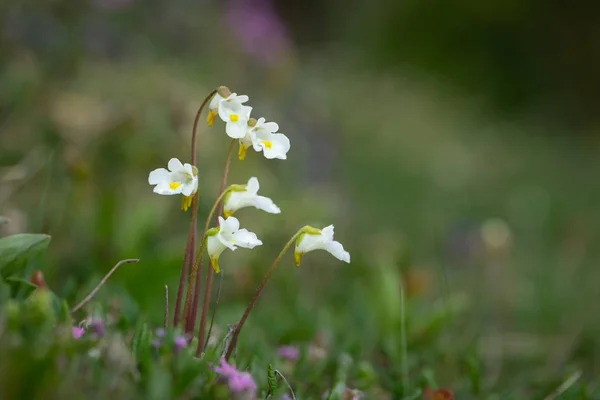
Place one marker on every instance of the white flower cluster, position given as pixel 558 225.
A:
pixel 259 134
pixel 262 136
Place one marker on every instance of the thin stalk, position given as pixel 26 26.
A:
pixel 185 270
pixel 102 282
pixel 166 316
pixel 194 273
pixel 257 295
pixel 209 272
pixel 214 312
pixel 188 254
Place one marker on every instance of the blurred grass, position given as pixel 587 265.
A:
pixel 491 219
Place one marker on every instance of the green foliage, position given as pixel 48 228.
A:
pixel 18 251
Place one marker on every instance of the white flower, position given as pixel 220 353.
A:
pixel 213 109
pixel 179 179
pixel 245 142
pixel 316 239
pixel 264 138
pixel 248 197
pixel 235 114
pixel 228 235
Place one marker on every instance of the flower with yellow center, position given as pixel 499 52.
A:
pixel 264 138
pixel 178 179
pixel 228 236
pixel 247 196
pixel 319 239
pixel 235 114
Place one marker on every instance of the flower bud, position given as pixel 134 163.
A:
pixel 224 91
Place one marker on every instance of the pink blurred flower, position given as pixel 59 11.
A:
pixel 290 353
pixel 77 332
pixel 242 382
pixel 237 381
pixel 259 29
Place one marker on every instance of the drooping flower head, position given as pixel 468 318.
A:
pixel 213 109
pixel 178 179
pixel 228 235
pixel 319 239
pixel 242 196
pixel 264 138
pixel 235 115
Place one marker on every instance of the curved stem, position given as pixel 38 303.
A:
pixel 209 272
pixel 188 254
pixel 196 120
pixel 212 317
pixel 257 295
pixel 102 282
pixel 194 271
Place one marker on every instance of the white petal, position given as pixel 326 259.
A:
pixel 244 238
pixel 214 246
pixel 271 127
pixel 175 165
pixel 237 200
pixel 327 232
pixel 188 188
pixel 280 145
pixel 188 169
pixel 236 130
pixel 309 243
pixel 266 204
pixel 337 250
pixel 242 98
pixel 159 175
pixel 214 102
pixel 226 239
pixel 252 186
pixel 230 225
pixel 164 189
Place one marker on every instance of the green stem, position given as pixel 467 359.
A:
pixel 257 293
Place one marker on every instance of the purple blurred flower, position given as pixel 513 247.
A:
pixel 97 326
pixel 242 382
pixel 237 381
pixel 290 353
pixel 160 332
pixel 258 28
pixel 77 332
pixel 226 370
pixel 180 343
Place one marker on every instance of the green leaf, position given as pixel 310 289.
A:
pixel 19 286
pixel 17 250
pixel 271 379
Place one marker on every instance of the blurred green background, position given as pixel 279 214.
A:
pixel 453 145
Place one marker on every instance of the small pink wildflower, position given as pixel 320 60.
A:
pixel 237 381
pixel 242 382
pixel 77 332
pixel 290 353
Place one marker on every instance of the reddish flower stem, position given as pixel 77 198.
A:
pixel 209 271
pixel 188 255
